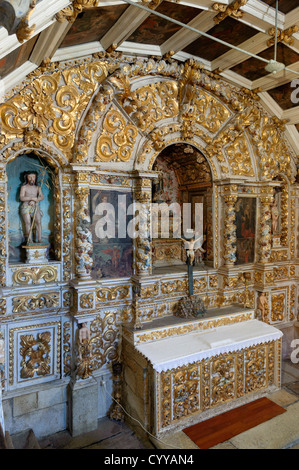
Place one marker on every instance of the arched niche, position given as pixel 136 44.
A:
pixel 184 177
pixel 16 170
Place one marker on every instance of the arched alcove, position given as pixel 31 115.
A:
pixel 184 182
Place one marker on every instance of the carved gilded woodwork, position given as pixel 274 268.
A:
pixel 191 327
pixel 278 306
pixel 52 104
pixel 35 355
pixel 269 145
pixel 98 106
pixel 232 10
pixel 55 100
pixel 142 244
pixel 84 368
pixel 71 12
pixel 3 235
pixel 33 302
pixel 265 229
pixel 284 218
pixel 55 103
pixel 282 36
pixel 229 236
pixel 24 31
pixel 116 143
pixel 87 300
pixel 34 275
pixel 206 384
pixel 104 338
pixel 67 233
pixel 38 351
pixel 83 237
pixel 106 294
pixel 2 306
pixel 167 250
pixel 239 157
pixel 67 348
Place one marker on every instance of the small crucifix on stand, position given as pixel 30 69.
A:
pixel 190 246
pixel 192 305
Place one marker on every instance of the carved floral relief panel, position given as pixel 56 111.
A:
pixel 35 353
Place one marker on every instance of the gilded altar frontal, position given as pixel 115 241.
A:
pixel 149 205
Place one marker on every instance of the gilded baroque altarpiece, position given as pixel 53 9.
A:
pixel 100 123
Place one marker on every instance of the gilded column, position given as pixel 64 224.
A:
pixel 3 227
pixel 142 239
pixel 284 218
pixel 229 242
pixel 83 236
pixel 265 229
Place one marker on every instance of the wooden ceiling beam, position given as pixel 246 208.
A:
pixel 254 45
pixel 129 21
pixel 184 37
pixel 49 41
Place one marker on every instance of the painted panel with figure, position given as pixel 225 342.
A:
pixel 112 243
pixel 246 224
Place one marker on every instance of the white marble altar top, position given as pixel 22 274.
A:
pixel 181 350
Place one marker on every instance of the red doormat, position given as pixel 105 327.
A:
pixel 227 425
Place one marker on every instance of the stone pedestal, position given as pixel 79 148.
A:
pixel 83 406
pixel 36 253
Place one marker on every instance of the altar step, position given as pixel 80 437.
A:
pixel 290 372
pixel 21 440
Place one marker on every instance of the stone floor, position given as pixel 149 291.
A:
pixel 281 432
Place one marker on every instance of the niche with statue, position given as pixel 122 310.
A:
pixel 31 218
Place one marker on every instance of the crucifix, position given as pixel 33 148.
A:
pixel 190 248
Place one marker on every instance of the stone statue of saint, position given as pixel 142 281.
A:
pixel 263 306
pixel 30 196
pixel 275 215
pixel 84 333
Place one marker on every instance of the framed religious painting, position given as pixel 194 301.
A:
pixel 246 228
pixel 112 243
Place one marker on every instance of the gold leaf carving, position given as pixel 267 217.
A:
pixel 117 140
pixel 35 302
pixel 25 275
pixel 35 355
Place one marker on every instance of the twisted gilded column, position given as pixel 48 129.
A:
pixel 142 240
pixel 229 238
pixel 83 235
pixel 284 218
pixel 265 229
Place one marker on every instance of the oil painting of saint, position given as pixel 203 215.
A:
pixel 246 224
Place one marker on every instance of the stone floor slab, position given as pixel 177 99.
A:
pixel 277 433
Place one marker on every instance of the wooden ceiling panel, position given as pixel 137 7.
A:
pixel 229 30
pixel 253 69
pixel 285 6
pixel 283 96
pixel 91 25
pixel 17 57
pixel 156 30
